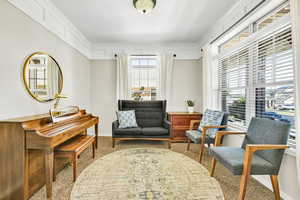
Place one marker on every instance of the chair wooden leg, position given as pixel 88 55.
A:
pixel 274 180
pixel 54 173
pixel 74 168
pixel 169 144
pixel 246 173
pixel 202 146
pixel 113 143
pixel 93 146
pixel 188 145
pixel 213 167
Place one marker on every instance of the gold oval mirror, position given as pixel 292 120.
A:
pixel 43 77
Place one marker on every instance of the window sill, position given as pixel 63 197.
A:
pixel 291 152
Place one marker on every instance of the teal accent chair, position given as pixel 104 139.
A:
pixel 260 154
pixel 211 122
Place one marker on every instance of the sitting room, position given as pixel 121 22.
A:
pixel 150 100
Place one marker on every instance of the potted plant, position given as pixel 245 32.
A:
pixel 190 105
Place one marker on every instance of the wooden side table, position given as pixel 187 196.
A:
pixel 180 123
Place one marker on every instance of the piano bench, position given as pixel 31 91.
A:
pixel 71 149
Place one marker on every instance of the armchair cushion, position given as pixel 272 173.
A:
pixel 233 157
pixel 211 117
pixel 196 136
pixel 128 131
pixel 155 131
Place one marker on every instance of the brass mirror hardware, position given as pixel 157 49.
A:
pixel 42 76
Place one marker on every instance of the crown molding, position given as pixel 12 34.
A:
pixel 45 13
pixel 48 15
pixel 183 51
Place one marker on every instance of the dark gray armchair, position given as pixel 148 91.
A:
pixel 151 120
pixel 261 152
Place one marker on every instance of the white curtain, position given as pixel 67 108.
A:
pixel 209 78
pixel 166 76
pixel 122 77
pixel 295 8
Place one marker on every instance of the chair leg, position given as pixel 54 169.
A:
pixel 54 173
pixel 113 143
pixel 274 180
pixel 188 145
pixel 213 167
pixel 169 144
pixel 74 168
pixel 202 146
pixel 243 187
pixel 93 147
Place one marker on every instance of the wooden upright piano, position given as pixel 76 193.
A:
pixel 26 151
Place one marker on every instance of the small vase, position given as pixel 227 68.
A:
pixel 190 109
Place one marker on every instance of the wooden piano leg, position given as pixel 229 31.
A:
pixel 49 172
pixel 96 135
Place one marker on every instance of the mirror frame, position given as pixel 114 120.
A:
pixel 25 66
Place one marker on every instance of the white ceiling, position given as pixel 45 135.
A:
pixel 117 21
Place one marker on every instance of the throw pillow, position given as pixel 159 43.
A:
pixel 127 119
pixel 211 118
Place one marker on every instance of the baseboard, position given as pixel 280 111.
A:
pixel 267 183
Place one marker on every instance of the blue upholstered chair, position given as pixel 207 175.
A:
pixel 211 122
pixel 260 154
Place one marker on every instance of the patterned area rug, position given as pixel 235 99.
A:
pixel 146 173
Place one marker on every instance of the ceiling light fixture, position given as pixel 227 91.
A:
pixel 144 6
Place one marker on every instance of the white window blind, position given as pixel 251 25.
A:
pixel 273 77
pixel 258 80
pixel 233 82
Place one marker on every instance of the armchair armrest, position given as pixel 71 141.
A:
pixel 220 134
pixel 167 124
pixel 115 125
pixel 212 126
pixel 192 123
pixel 258 147
pixel 250 149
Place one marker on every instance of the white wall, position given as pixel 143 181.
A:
pixel 186 85
pixel 20 36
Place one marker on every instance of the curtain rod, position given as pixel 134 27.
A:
pixel 174 55
pixel 241 19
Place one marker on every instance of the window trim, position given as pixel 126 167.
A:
pixel 130 78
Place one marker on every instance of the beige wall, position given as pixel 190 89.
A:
pixel 20 36
pixel 186 85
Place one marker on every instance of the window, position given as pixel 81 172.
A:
pixel 269 19
pixel 144 78
pixel 257 80
pixel 236 39
pixel 233 76
pixel 273 78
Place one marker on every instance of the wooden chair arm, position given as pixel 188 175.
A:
pixel 258 147
pixel 212 126
pixel 192 123
pixel 250 149
pixel 220 134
